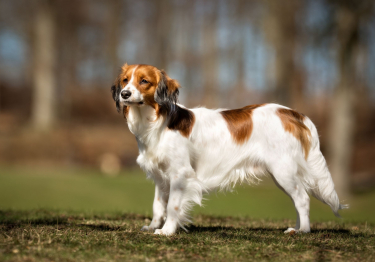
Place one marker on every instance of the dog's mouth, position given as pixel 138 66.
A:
pixel 129 103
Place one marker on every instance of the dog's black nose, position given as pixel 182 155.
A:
pixel 125 94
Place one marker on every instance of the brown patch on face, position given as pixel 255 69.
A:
pixel 146 79
pixel 125 75
pixel 153 84
pixel 182 120
pixel 240 123
pixel 293 123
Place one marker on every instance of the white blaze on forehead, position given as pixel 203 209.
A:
pixel 136 96
pixel 132 78
pixel 130 86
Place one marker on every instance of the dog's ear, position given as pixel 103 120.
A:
pixel 123 68
pixel 115 89
pixel 166 94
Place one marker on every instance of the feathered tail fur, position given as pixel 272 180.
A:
pixel 319 179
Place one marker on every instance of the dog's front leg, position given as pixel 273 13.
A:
pixel 158 208
pixel 175 207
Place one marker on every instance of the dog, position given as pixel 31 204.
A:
pixel 190 152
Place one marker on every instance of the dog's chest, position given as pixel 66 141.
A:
pixel 153 162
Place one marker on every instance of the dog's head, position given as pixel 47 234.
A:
pixel 145 85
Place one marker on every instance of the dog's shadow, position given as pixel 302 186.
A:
pixel 213 229
pixel 234 230
pixel 102 227
pixel 230 231
pixel 223 231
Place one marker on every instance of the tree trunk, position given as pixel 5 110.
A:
pixel 342 126
pixel 210 95
pixel 163 28
pixel 239 54
pixel 280 29
pixel 114 26
pixel 43 113
pixel 341 138
pixel 67 22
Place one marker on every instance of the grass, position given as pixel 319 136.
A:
pixel 80 215
pixel 42 235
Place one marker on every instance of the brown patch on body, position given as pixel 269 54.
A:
pixel 240 123
pixel 182 120
pixel 293 123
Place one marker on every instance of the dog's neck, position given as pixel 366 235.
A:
pixel 144 123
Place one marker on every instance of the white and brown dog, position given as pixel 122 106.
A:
pixel 188 152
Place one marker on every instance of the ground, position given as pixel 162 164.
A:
pixel 42 235
pixel 80 215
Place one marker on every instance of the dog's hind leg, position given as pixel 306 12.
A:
pixel 286 178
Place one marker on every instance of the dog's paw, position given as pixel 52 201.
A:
pixel 292 231
pixel 163 232
pixel 147 229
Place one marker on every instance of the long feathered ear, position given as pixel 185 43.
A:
pixel 166 94
pixel 115 89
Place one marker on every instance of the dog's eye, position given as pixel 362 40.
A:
pixel 125 80
pixel 144 81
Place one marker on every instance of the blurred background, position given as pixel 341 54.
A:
pixel 63 145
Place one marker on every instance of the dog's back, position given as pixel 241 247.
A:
pixel 276 138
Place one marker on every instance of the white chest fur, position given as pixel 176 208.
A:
pixel 147 128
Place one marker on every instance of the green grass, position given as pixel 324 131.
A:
pixel 70 215
pixel 130 192
pixel 74 189
pixel 42 235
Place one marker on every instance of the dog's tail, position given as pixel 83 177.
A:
pixel 318 177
